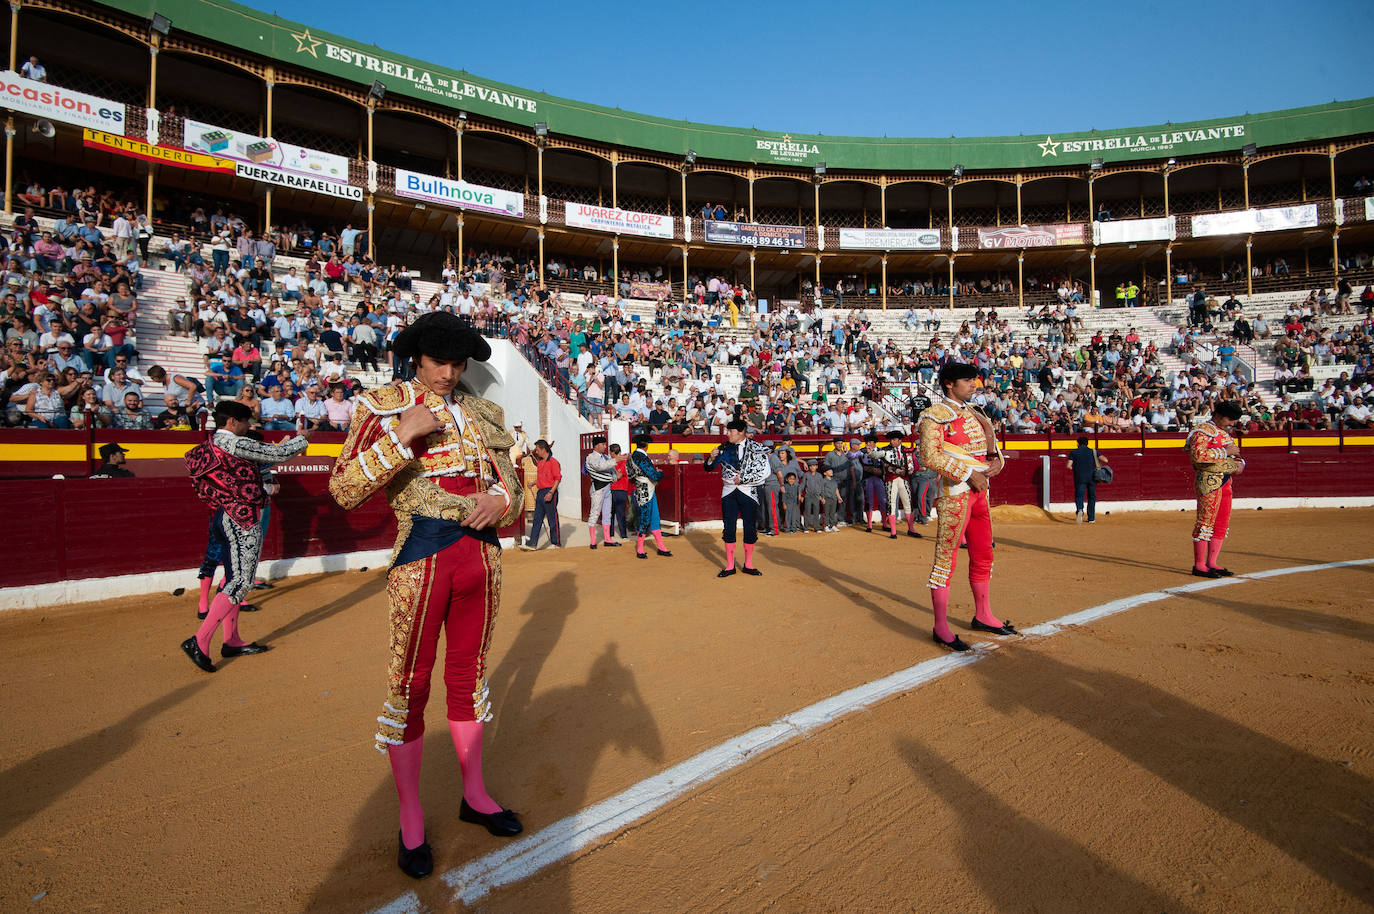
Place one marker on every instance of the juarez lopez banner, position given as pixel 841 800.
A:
pixel 620 221
pixel 459 194
pixel 756 235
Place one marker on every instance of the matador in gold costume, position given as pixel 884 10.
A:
pixel 1214 455
pixel 442 458
pixel 957 442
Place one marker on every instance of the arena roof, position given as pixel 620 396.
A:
pixel 314 49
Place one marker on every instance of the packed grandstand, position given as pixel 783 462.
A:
pixel 260 226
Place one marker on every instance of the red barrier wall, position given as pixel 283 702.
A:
pixel 85 528
pixel 74 528
pixel 1150 468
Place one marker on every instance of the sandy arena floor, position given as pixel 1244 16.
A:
pixel 1210 752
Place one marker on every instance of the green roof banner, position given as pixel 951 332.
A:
pixel 310 48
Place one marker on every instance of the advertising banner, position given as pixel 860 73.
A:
pixel 19 93
pixel 620 221
pixel 289 179
pixel 650 290
pixel 1032 236
pixel 1131 230
pixel 1369 209
pixel 755 235
pixel 880 239
pixel 459 194
pixel 1255 220
pixel 167 155
pixel 263 151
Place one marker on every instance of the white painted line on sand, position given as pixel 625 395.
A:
pixel 516 861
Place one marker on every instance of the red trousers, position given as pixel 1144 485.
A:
pixel 1213 515
pixel 962 516
pixel 456 590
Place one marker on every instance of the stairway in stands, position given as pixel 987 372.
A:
pixel 156 345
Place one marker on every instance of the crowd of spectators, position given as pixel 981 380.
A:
pixel 283 342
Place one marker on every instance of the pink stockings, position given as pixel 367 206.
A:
pixel 205 585
pixel 1206 553
pixel 939 601
pixel 221 610
pixel 730 555
pixel 467 739
pixel 405 771
pixel 658 539
pixel 982 608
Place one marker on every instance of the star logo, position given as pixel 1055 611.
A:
pixel 1049 148
pixel 307 43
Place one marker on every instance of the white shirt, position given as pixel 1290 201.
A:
pixel 461 419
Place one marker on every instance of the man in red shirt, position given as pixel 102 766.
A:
pixel 620 493
pixel 548 477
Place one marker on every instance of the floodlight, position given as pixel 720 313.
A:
pixel 161 24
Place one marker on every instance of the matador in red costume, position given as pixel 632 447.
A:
pixel 1214 455
pixel 441 457
pixel 958 443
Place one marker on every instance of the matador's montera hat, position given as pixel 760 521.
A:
pixel 441 335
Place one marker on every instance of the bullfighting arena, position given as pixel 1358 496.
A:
pixel 790 743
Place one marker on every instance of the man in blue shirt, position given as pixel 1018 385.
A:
pixel 90 233
pixel 1084 463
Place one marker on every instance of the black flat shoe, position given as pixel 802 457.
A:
pixel 201 615
pixel 1006 628
pixel 415 862
pixel 612 545
pixel 754 571
pixel 725 572
pixel 503 824
pixel 641 555
pixel 892 536
pixel 192 649
pixel 229 650
pixel 664 552
pixel 593 545
pixel 1205 574
pixel 249 607
pixel 955 645
pixel 1221 572
pixel 914 535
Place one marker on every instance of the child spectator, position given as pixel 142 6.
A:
pixel 792 504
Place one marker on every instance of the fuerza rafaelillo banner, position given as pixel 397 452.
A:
pixel 460 194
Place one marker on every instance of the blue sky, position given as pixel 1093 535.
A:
pixel 890 68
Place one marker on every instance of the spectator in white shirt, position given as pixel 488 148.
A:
pixel 310 409
pixel 291 286
pixel 34 70
pixel 278 413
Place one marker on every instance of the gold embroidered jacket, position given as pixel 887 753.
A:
pixel 953 441
pixel 1207 446
pixel 374 458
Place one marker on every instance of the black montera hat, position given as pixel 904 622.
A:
pixel 441 335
